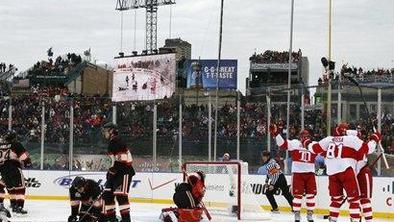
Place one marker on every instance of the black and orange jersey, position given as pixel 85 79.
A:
pixel 119 153
pixel 13 151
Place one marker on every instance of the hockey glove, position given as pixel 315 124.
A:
pixel 72 218
pixel 27 163
pixel 377 137
pixel 274 130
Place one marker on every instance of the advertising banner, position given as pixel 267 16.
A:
pixel 144 77
pixel 161 186
pixel 272 66
pixel 206 77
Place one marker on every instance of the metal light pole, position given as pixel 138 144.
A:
pixel 289 80
pixel 303 106
pixel 209 128
pixel 329 91
pixel 238 125
pixel 339 104
pixel 268 99
pixel 217 79
pixel 379 118
pixel 180 132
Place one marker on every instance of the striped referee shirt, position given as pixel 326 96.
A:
pixel 273 172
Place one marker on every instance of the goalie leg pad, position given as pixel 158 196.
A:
pixel 190 215
pixel 168 216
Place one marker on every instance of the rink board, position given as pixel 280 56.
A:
pixel 159 188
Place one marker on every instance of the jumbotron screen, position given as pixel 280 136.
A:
pixel 146 77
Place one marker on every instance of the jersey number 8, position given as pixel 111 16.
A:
pixel 332 147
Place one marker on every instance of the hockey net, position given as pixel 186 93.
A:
pixel 227 189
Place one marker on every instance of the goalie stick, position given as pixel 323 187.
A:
pixel 91 206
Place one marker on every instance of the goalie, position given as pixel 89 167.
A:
pixel 188 199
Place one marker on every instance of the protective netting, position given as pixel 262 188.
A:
pixel 227 189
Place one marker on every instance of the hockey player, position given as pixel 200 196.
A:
pixel 342 153
pixel 277 181
pixel 118 176
pixel 84 194
pixel 364 178
pixel 13 156
pixel 187 198
pixel 303 170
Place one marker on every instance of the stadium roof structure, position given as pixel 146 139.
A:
pixel 378 85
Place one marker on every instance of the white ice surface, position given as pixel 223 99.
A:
pixel 58 211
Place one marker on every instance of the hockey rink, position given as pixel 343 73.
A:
pixel 58 211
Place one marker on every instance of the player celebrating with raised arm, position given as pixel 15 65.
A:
pixel 303 169
pixel 342 153
pixel 364 178
pixel 85 201
pixel 118 176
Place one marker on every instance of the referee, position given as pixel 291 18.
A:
pixel 276 181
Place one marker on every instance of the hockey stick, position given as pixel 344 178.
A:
pixel 328 216
pixel 382 154
pixel 343 201
pixel 201 202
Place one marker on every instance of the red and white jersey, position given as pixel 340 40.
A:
pixel 342 152
pixel 363 158
pixel 303 159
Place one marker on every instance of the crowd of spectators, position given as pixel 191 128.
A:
pixel 374 75
pixel 269 57
pixel 5 68
pixel 135 120
pixel 61 65
pixel 89 114
pixel 361 73
pixel 4 88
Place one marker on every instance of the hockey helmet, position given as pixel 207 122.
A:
pixel 10 136
pixel 266 153
pixel 340 129
pixel 305 134
pixel 78 182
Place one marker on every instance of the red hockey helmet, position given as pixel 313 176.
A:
pixel 340 129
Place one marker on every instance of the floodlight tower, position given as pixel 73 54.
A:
pixel 151 7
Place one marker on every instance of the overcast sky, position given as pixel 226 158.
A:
pixel 363 30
